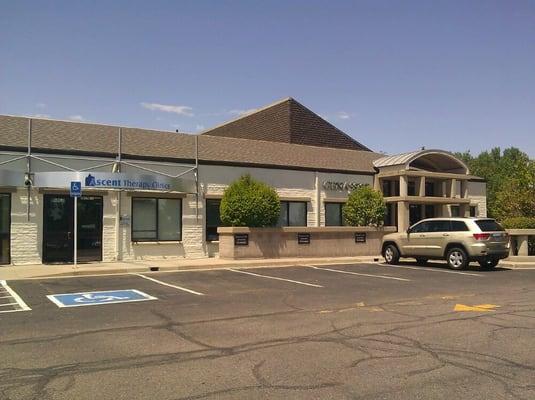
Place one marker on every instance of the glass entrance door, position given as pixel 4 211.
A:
pixel 58 228
pixel 5 224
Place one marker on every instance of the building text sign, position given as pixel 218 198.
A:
pixel 342 186
pixel 109 180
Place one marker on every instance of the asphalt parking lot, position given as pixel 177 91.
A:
pixel 365 331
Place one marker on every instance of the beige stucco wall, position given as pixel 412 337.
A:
pixel 26 235
pixel 282 242
pixel 477 192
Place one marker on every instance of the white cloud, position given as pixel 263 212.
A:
pixel 76 118
pixel 181 110
pixel 40 105
pixel 44 116
pixel 342 115
pixel 242 112
pixel 176 126
pixel 200 127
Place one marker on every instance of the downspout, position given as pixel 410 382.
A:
pixel 318 199
pixel 117 169
pixel 197 178
pixel 28 181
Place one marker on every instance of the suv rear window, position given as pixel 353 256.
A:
pixel 458 226
pixel 489 225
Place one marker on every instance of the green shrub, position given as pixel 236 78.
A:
pixel 519 223
pixel 365 206
pixel 247 202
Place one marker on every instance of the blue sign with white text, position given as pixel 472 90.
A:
pixel 96 298
pixel 76 189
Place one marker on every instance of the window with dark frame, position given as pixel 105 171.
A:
pixel 473 211
pixel 293 213
pixel 333 214
pixel 213 219
pixel 156 219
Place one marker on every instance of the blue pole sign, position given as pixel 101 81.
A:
pixel 76 189
pixel 98 298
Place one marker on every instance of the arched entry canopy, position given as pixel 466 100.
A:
pixel 427 160
pixel 423 184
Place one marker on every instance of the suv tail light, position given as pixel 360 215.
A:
pixel 481 236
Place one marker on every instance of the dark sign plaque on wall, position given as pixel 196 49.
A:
pixel 360 237
pixel 303 238
pixel 241 239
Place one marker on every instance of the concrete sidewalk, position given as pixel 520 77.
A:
pixel 103 268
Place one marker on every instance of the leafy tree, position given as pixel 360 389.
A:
pixel 247 202
pixel 510 177
pixel 365 206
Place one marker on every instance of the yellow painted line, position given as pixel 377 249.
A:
pixel 479 308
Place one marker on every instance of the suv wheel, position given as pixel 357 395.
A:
pixel 421 260
pixel 489 263
pixel 391 254
pixel 457 258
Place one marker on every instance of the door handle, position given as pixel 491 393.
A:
pixel 69 235
pixel 422 235
pixel 445 234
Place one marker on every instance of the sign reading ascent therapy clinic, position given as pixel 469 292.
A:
pixel 105 180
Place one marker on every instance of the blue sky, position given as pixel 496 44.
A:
pixel 396 75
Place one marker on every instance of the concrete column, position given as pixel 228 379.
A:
pixel 522 245
pixel 422 211
pixel 403 216
pixel 443 189
pixel 421 192
pixel 377 184
pixel 453 187
pixel 464 189
pixel 403 185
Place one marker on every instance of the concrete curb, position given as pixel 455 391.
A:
pixel 47 271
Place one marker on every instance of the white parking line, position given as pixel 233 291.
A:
pixel 360 274
pixel 430 269
pixel 275 277
pixel 18 301
pixel 169 285
pixel 8 304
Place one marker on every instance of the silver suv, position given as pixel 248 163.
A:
pixel 456 240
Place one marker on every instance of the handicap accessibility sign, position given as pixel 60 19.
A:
pixel 98 298
pixel 76 189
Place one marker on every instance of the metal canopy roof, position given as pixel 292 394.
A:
pixel 435 157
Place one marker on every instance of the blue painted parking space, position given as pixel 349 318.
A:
pixel 98 298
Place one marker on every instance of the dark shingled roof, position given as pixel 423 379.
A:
pixel 94 139
pixel 287 121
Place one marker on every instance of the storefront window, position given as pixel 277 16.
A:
pixel 5 221
pixel 156 219
pixel 333 214
pixel 213 219
pixel 293 213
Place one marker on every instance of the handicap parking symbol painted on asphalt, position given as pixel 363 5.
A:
pixel 97 298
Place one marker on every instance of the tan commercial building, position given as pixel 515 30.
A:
pixel 155 195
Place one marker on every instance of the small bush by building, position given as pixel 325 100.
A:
pixel 248 202
pixel 365 206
